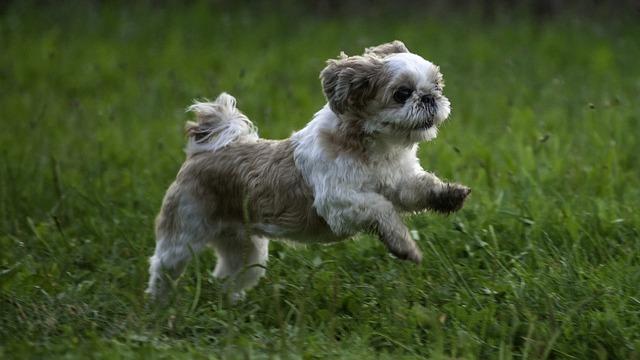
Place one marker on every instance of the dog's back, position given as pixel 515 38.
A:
pixel 254 184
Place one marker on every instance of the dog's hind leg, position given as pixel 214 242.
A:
pixel 180 234
pixel 168 262
pixel 241 261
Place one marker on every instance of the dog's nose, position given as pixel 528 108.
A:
pixel 428 100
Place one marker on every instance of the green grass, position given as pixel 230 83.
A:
pixel 544 261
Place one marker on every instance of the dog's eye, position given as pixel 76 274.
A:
pixel 402 94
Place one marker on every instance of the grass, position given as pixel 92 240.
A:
pixel 543 262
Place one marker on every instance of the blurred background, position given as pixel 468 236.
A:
pixel 543 262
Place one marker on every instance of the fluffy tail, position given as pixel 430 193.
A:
pixel 219 123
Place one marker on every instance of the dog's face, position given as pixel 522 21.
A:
pixel 387 92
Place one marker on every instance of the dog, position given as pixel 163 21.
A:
pixel 353 168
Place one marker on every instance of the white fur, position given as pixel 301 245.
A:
pixel 344 185
pixel 425 76
pixel 225 124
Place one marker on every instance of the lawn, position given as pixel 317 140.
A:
pixel 543 261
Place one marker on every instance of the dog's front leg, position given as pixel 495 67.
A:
pixel 395 235
pixel 425 191
pixel 373 213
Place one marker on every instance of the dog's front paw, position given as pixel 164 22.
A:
pixel 450 198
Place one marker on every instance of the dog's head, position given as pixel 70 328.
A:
pixel 387 91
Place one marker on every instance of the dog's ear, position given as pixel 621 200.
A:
pixel 350 81
pixel 383 50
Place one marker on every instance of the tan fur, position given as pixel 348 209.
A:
pixel 348 83
pixel 230 199
pixel 383 50
pixel 252 184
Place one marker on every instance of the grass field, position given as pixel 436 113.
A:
pixel 543 262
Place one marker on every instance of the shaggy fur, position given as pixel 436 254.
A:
pixel 352 169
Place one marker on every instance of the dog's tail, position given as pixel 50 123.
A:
pixel 219 123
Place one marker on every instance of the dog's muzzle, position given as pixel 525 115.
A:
pixel 428 102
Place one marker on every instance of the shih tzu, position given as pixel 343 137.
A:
pixel 352 169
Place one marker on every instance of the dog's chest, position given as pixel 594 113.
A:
pixel 377 172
